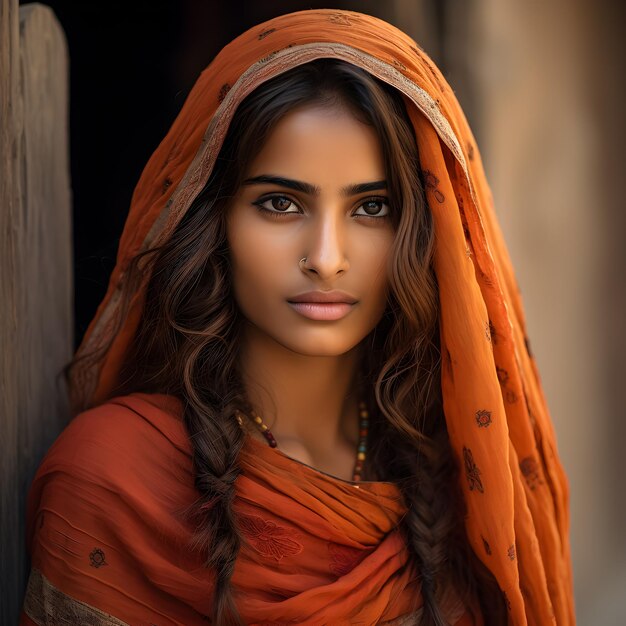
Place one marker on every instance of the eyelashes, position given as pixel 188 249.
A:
pixel 274 212
pixel 279 214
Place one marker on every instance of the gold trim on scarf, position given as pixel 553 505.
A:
pixel 45 604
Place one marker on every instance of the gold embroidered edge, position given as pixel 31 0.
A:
pixel 45 604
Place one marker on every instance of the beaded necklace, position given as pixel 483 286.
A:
pixel 361 449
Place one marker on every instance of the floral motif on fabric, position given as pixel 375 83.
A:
pixel 224 89
pixel 492 332
pixel 268 538
pixel 96 558
pixel 343 559
pixel 530 470
pixel 431 182
pixel 472 472
pixel 511 552
pixel 503 375
pixel 483 418
pixel 486 545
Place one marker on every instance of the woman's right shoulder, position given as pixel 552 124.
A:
pixel 113 438
pixel 106 514
pixel 128 448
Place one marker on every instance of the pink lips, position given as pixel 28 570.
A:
pixel 323 305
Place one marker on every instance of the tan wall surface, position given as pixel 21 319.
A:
pixel 547 105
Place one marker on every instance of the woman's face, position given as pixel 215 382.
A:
pixel 316 190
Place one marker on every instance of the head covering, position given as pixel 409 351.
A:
pixel 499 426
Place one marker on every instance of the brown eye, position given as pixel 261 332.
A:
pixel 275 206
pixel 280 203
pixel 375 207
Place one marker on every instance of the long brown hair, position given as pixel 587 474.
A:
pixel 187 345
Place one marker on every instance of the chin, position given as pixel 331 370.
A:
pixel 316 344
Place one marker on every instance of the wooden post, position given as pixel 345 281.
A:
pixel 35 267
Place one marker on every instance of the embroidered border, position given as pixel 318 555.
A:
pixel 45 604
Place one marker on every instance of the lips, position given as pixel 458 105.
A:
pixel 323 305
pixel 325 297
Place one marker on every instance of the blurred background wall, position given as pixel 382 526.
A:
pixel 546 99
pixel 541 84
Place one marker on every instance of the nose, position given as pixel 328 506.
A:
pixel 325 250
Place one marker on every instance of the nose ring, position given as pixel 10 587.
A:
pixel 301 262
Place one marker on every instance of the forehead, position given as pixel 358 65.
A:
pixel 326 146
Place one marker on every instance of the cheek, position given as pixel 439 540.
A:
pixel 254 266
pixel 373 262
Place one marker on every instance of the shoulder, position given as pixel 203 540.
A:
pixel 106 515
pixel 130 448
pixel 123 430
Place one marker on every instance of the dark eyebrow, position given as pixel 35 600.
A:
pixel 312 190
pixel 353 190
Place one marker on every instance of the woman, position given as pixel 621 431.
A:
pixel 307 396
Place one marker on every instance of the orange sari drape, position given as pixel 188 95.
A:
pixel 110 543
pixel 500 429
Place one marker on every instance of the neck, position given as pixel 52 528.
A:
pixel 311 399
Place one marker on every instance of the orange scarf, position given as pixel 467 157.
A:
pixel 109 540
pixel 515 489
